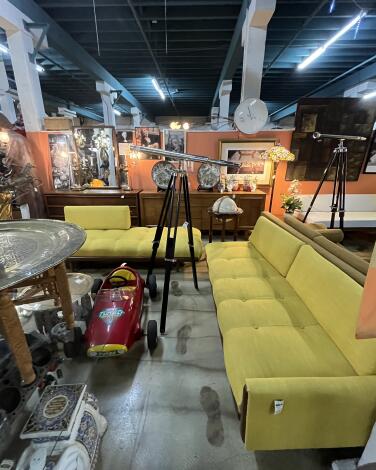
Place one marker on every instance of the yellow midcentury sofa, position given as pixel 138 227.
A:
pixel 287 316
pixel 109 235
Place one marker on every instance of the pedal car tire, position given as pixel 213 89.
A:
pixel 152 286
pixel 70 349
pixel 152 335
pixel 73 348
pixel 96 286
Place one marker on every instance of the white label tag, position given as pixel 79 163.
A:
pixel 278 406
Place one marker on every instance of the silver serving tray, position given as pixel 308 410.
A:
pixel 30 247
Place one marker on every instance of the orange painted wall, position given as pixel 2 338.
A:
pixel 206 144
pixel 39 146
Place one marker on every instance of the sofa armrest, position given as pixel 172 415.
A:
pixel 317 412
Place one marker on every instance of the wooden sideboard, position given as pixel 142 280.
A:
pixel 56 201
pixel 252 203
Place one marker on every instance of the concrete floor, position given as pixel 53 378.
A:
pixel 174 410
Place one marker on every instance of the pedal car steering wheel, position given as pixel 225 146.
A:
pixel 126 282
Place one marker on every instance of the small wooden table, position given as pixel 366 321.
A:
pixel 224 217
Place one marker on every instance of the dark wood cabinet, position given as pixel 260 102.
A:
pixel 252 204
pixel 56 201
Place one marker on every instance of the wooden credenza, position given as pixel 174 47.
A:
pixel 56 201
pixel 252 203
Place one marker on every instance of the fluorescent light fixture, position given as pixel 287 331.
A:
pixel 117 112
pixel 4 49
pixel 158 88
pixel 315 54
pixel 39 68
pixel 370 95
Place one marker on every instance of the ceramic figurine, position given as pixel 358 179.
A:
pixel 65 430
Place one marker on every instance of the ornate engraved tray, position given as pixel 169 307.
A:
pixel 30 247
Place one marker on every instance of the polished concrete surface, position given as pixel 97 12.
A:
pixel 173 410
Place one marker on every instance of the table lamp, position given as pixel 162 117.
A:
pixel 276 154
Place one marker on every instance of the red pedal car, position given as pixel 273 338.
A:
pixel 115 323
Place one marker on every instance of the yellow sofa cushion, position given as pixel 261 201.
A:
pixel 221 268
pixel 275 244
pixel 136 243
pixel 236 313
pixel 334 299
pixel 280 351
pixel 246 288
pixel 99 217
pixel 230 250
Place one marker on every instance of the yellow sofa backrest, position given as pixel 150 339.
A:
pixel 275 244
pixel 99 217
pixel 334 299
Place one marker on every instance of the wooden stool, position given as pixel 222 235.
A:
pixel 220 216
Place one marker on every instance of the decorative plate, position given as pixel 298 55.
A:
pixel 161 174
pixel 208 175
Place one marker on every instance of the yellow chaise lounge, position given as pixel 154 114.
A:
pixel 109 235
pixel 288 316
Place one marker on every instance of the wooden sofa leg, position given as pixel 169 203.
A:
pixel 243 414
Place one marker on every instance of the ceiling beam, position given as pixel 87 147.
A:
pixel 366 70
pixel 67 46
pixel 234 54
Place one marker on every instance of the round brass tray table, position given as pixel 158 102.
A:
pixel 32 253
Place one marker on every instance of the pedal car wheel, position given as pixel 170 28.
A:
pixel 73 348
pixel 152 286
pixel 152 335
pixel 96 286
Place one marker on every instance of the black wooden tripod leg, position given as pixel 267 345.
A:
pixel 161 224
pixel 169 256
pixel 189 228
pixel 323 178
pixel 342 200
pixel 336 190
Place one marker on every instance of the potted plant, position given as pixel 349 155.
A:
pixel 291 201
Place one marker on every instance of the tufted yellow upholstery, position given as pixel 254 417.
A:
pixel 135 242
pixel 287 317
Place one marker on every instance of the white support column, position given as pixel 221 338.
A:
pixel 253 41
pixel 107 101
pixel 214 117
pixel 6 101
pixel 224 104
pixel 27 80
pixel 136 117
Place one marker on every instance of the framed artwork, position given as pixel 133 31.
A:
pixel 174 140
pixel 62 155
pixel 124 137
pixel 247 153
pixel 341 116
pixel 97 153
pixel 147 137
pixel 370 166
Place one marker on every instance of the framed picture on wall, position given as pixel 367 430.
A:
pixel 124 137
pixel 370 166
pixel 174 140
pixel 97 154
pixel 247 153
pixel 147 137
pixel 62 155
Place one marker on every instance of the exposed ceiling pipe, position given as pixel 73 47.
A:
pixel 307 21
pixel 146 40
pixel 325 85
